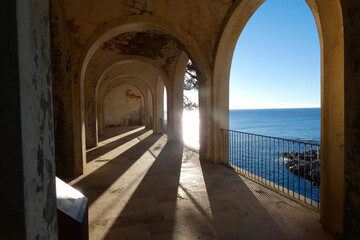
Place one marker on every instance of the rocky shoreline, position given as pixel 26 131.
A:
pixel 306 167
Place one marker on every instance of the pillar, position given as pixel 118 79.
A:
pixel 62 87
pixel 351 16
pixel 28 205
pixel 159 106
pixel 175 128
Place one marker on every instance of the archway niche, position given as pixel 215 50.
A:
pixel 135 71
pixel 123 106
pixel 109 84
pixel 328 17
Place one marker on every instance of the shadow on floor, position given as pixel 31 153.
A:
pixel 160 190
pixel 236 212
pixel 116 131
pixel 101 179
pixel 146 213
pixel 105 148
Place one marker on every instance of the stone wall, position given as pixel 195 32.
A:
pixel 351 14
pixel 62 92
pixel 124 106
pixel 28 204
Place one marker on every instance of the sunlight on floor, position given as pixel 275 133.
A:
pixel 124 147
pixel 110 205
pixel 102 160
pixel 160 190
pixel 120 136
pixel 192 194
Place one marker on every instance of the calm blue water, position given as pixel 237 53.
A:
pixel 266 159
pixel 302 124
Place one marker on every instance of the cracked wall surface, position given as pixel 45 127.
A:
pixel 124 106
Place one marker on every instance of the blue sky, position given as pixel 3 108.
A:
pixel 276 63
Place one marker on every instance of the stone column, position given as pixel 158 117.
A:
pixel 351 16
pixel 62 87
pixel 149 116
pixel 159 106
pixel 205 119
pixel 28 204
pixel 90 117
pixel 175 129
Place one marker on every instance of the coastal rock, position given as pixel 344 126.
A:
pixel 305 165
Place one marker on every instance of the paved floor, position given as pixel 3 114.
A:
pixel 141 187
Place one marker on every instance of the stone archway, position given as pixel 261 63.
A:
pixel 328 17
pixel 136 68
pixel 135 25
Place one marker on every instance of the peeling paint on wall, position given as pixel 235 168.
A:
pixel 162 48
pixel 124 106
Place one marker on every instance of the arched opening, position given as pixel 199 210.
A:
pixel 329 23
pixel 103 39
pixel 191 107
pixel 275 92
pixel 114 76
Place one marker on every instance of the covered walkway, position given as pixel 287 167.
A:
pixel 141 187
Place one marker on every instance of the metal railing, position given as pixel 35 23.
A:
pixel 289 166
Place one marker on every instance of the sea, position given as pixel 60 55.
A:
pixel 300 124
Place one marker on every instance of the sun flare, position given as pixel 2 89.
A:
pixel 191 128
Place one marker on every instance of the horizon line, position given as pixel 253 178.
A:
pixel 272 108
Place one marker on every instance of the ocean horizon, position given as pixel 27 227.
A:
pixel 300 124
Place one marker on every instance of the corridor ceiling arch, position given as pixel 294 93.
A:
pixel 142 25
pixel 140 68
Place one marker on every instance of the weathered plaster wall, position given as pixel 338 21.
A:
pixel 37 119
pixel 162 48
pixel 28 204
pixel 109 84
pixel 61 67
pixel 351 14
pixel 124 106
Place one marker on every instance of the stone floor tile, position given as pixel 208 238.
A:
pixel 141 187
